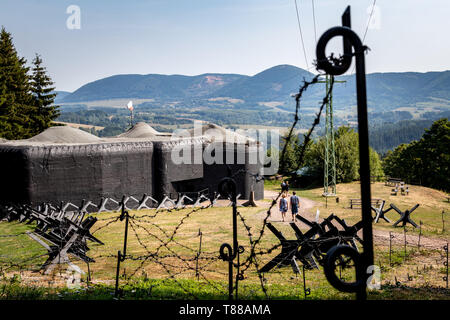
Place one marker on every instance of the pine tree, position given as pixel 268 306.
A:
pixel 43 98
pixel 15 96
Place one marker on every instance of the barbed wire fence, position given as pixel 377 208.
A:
pixel 414 261
pixel 170 251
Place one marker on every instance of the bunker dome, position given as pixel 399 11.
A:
pixel 64 164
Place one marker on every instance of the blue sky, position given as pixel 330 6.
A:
pixel 227 36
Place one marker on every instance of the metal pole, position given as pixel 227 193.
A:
pixel 404 231
pixel 330 152
pixel 120 256
pixel 364 168
pixel 390 248
pixel 446 265
pixel 420 235
pixel 351 39
pixel 116 291
pixel 306 291
pixel 89 274
pixel 198 254
pixel 327 144
pixel 237 276
pixel 228 186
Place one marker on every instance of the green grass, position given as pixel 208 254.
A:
pixel 157 289
pixel 431 204
pixel 178 280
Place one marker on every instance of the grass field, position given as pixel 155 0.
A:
pixel 431 205
pixel 160 268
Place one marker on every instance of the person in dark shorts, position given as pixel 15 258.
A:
pixel 283 206
pixel 283 186
pixel 295 205
pixel 287 188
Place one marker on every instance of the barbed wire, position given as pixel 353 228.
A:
pixel 165 253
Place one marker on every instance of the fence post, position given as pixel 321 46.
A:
pixel 228 187
pixel 353 46
pixel 420 235
pixel 404 232
pixel 121 256
pixel 200 234
pixel 89 274
pixel 446 265
pixel 306 291
pixel 391 236
pixel 239 276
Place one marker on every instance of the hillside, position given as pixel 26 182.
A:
pixel 389 135
pixel 386 91
pixel 274 84
pixel 263 99
pixel 151 86
pixel 60 95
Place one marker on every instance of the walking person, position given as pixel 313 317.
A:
pixel 295 205
pixel 283 206
pixel 287 188
pixel 283 186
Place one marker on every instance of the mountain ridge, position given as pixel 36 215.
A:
pixel 386 90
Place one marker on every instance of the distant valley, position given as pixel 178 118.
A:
pixel 234 100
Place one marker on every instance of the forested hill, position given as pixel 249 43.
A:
pixel 153 86
pixel 386 91
pixel 389 135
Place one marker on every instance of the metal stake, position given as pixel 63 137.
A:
pixel 198 254
pixel 391 236
pixel 404 232
pixel 446 265
pixel 351 39
pixel 420 235
pixel 306 291
pixel 228 186
pixel 121 257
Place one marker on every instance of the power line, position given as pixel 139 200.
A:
pixel 367 26
pixel 370 18
pixel 314 19
pixel 301 35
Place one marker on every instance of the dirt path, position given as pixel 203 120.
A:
pixel 380 236
pixel 305 210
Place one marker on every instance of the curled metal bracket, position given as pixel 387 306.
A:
pixel 227 187
pixel 334 258
pixel 226 252
pixel 337 66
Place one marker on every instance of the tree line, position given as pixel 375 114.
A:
pixel 346 155
pixel 425 161
pixel 389 135
pixel 26 93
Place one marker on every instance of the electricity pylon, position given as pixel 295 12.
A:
pixel 329 172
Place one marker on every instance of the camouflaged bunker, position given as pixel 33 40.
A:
pixel 64 164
